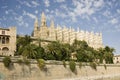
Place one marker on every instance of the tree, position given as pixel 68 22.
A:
pixel 40 53
pixel 21 43
pixel 106 54
pixel 58 51
pixel 84 52
pixel 29 51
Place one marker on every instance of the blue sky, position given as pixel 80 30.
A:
pixel 91 15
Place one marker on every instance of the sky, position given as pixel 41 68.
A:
pixel 89 15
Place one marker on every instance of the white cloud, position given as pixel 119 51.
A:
pixel 36 11
pixel 47 10
pixel 19 20
pixel 98 3
pixel 18 6
pixel 114 21
pixel 59 1
pixel 60 14
pixel 86 6
pixel 73 16
pixel 4 18
pixel 6 12
pixel 10 11
pixel 64 6
pixel 49 17
pixel 106 13
pixel 35 3
pixel 26 24
pixel 47 3
pixel 26 3
pixel 95 19
pixel 29 3
pixel 4 7
pixel 118 11
pixel 29 14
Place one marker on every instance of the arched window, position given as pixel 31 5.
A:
pixel 5 49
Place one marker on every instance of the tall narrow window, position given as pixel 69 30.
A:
pixel 0 40
pixel 7 40
pixel 3 40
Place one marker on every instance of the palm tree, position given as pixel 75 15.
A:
pixel 22 42
pixel 106 54
pixel 58 51
pixel 40 53
pixel 29 51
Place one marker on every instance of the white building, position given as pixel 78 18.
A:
pixel 116 59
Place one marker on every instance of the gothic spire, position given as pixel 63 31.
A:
pixel 36 24
pixel 43 19
pixel 36 20
pixel 52 24
pixel 78 29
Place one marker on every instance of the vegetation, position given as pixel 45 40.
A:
pixel 72 66
pixel 41 64
pixel 58 51
pixel 26 62
pixel 7 62
pixel 20 61
pixel 93 65
pixel 105 66
pixel 64 63
pixel 80 65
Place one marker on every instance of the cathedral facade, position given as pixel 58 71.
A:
pixel 65 35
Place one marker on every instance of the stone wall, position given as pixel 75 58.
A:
pixel 55 71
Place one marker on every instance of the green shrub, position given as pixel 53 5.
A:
pixel 80 65
pixel 7 62
pixel 72 66
pixel 20 61
pixel 41 64
pixel 105 66
pixel 93 65
pixel 64 63
pixel 27 62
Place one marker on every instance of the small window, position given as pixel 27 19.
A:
pixel 3 32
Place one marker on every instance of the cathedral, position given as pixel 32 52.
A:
pixel 64 35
